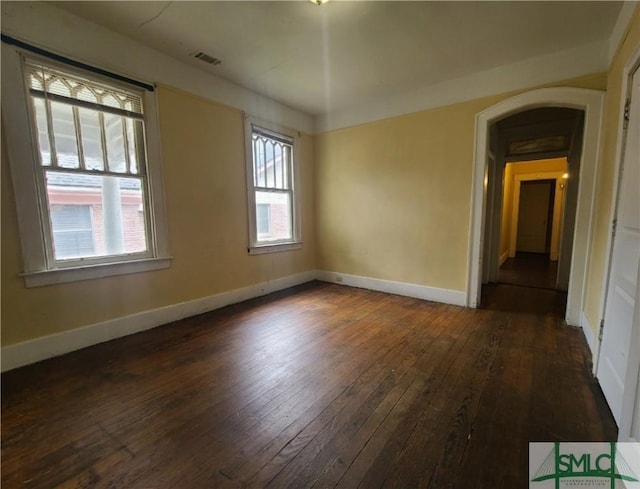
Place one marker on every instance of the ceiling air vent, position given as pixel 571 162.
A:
pixel 207 59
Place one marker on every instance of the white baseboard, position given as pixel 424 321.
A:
pixel 503 258
pixel 455 297
pixel 32 351
pixel 588 334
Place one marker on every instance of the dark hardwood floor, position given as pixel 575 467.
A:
pixel 530 270
pixel 319 386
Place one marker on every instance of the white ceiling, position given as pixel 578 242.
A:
pixel 322 59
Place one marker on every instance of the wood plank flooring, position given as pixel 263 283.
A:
pixel 320 386
pixel 530 270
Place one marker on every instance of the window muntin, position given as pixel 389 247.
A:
pixel 273 197
pixel 91 142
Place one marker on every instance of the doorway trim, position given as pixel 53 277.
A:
pixel 589 101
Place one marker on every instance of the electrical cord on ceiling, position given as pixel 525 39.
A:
pixel 157 15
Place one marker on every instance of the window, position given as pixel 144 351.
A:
pixel 90 175
pixel 273 202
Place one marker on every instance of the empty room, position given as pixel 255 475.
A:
pixel 328 243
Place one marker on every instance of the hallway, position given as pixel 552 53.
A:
pixel 530 270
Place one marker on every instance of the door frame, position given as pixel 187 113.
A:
pixel 557 209
pixel 589 101
pixel 633 362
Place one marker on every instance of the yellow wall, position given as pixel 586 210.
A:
pixel 507 209
pixel 393 197
pixel 389 199
pixel 204 170
pixel 606 170
pixel 522 168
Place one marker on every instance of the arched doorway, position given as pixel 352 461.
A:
pixel 534 171
pixel 591 103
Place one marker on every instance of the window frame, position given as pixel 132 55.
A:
pixel 39 264
pixel 255 245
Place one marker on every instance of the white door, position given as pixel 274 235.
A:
pixel 617 353
pixel 629 428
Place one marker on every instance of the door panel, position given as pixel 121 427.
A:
pixel 617 352
pixel 533 216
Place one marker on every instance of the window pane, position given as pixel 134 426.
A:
pixel 286 158
pixel 277 164
pixel 36 80
pixel 271 162
pixel 280 218
pixel 91 139
pixel 43 132
pixel 59 86
pixel 111 100
pixel 86 94
pixel 72 231
pixel 64 133
pixel 259 161
pixel 115 205
pixel 115 143
pixel 131 141
pixel 263 212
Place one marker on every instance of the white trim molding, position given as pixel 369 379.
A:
pixel 589 336
pixel 32 351
pixel 591 102
pixel 63 275
pixel 263 249
pixel 446 296
pixel 38 349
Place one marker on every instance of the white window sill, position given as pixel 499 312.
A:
pixel 64 275
pixel 274 248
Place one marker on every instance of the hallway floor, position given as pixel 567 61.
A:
pixel 529 269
